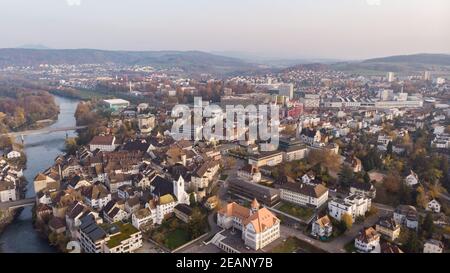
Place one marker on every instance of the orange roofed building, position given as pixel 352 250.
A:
pixel 259 227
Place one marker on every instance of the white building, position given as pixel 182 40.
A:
pixel 7 191
pixel 259 227
pixel 113 238
pixel 123 238
pixel 13 154
pixel 116 104
pixel 412 179
pixel 407 216
pixel 204 174
pixel 355 205
pixel 142 218
pixel 322 228
pixel 368 241
pixel 304 194
pixel 250 173
pixel 103 143
pixel 434 206
pixel 433 246
pixel 390 77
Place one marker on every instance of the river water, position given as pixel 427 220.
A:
pixel 41 150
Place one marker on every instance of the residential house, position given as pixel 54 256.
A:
pixel 433 246
pixel 322 228
pixel 77 182
pixel 132 205
pixel 13 155
pixel 42 181
pixel 73 215
pixel 388 228
pixel 183 212
pixel 407 216
pixel 142 219
pixel 204 174
pixel 112 212
pixel 368 241
pixel 116 180
pixel 412 179
pixel 433 206
pixel 366 189
pixel 212 202
pixel 250 173
pixel 96 196
pixel 162 207
pixel 7 191
pixel 57 225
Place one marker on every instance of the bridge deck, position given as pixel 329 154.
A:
pixel 43 131
pixel 18 203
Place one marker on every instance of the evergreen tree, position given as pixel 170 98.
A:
pixel 428 225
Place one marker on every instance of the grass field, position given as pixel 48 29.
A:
pixel 296 211
pixel 293 244
pixel 176 238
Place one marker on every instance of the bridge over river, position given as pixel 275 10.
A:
pixel 43 131
pixel 18 203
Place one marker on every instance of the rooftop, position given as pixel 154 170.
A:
pixel 126 230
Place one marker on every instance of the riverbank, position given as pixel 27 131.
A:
pixel 20 236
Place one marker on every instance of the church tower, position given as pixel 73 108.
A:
pixel 179 192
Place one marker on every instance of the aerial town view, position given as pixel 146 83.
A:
pixel 224 127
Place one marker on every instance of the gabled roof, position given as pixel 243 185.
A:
pixel 368 235
pixel 305 189
pixel 262 220
pixel 236 210
pixel 75 210
pixel 161 186
pixel 102 140
pixel 324 221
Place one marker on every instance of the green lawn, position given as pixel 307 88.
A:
pixel 296 211
pixel 290 245
pixel 176 238
pixel 293 244
pixel 172 234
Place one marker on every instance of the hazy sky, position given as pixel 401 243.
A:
pixel 274 28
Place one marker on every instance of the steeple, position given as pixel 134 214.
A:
pixel 255 206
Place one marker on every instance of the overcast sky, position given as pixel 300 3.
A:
pixel 344 29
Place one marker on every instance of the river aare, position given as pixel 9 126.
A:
pixel 41 150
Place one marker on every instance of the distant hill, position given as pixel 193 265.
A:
pixel 399 64
pixel 433 59
pixel 33 46
pixel 310 66
pixel 189 61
